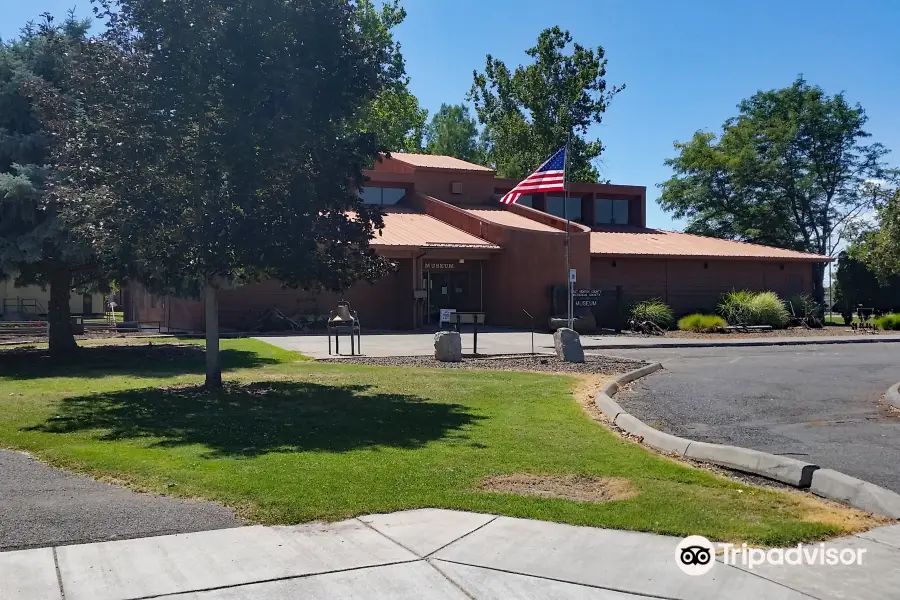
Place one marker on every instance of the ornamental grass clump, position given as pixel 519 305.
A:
pixel 700 323
pixel 754 308
pixel 889 322
pixel 653 311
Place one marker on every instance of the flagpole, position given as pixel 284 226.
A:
pixel 569 282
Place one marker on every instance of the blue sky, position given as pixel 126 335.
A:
pixel 685 64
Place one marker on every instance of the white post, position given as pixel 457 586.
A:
pixel 569 283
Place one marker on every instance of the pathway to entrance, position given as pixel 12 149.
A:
pixel 821 404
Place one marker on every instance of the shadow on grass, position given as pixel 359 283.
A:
pixel 250 420
pixel 146 360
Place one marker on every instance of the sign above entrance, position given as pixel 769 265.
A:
pixel 439 266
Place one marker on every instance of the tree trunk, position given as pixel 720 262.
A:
pixel 213 367
pixel 818 275
pixel 61 337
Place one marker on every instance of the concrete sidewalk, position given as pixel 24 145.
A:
pixel 519 342
pixel 423 555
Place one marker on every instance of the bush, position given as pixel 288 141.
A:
pixel 889 322
pixel 735 307
pixel 768 309
pixel 701 323
pixel 655 311
pixel 754 308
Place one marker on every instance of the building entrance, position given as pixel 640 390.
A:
pixel 452 289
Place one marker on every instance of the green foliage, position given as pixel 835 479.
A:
pixel 452 132
pixel 242 166
pixel 754 308
pixel 529 112
pixel 44 239
pixel 654 311
pixel 791 170
pixel 879 249
pixel 804 306
pixel 701 323
pixel 396 120
pixel 735 307
pixel 889 322
pixel 857 285
pixel 769 309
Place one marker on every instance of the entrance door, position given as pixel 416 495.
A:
pixel 447 290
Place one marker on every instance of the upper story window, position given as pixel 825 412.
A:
pixel 610 212
pixel 556 206
pixel 526 200
pixel 381 195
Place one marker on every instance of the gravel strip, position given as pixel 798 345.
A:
pixel 599 365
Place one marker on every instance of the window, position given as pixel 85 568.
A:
pixel 556 206
pixel 378 195
pixel 610 212
pixel 526 200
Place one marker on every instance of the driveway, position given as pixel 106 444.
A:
pixel 43 506
pixel 822 404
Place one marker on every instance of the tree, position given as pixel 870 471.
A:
pixel 858 285
pixel 394 116
pixel 879 248
pixel 226 134
pixel 791 170
pixel 529 113
pixel 40 242
pixel 452 132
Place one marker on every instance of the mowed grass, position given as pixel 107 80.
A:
pixel 291 440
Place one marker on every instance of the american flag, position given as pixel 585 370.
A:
pixel 549 177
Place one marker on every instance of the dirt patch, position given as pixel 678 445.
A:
pixel 544 363
pixel 586 391
pixel 578 488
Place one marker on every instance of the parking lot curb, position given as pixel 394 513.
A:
pixel 892 396
pixel 822 482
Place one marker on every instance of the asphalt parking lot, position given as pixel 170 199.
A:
pixel 822 404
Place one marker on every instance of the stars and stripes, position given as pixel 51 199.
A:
pixel 549 177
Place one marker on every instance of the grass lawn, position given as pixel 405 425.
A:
pixel 291 440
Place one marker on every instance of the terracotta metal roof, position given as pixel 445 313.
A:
pixel 403 228
pixel 657 243
pixel 443 163
pixel 501 216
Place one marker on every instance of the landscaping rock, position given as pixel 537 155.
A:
pixel 568 345
pixel 447 346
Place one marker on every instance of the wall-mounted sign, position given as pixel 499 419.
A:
pixel 589 298
pixel 439 266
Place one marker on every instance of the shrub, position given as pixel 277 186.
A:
pixel 701 323
pixel 889 322
pixel 754 308
pixel 655 311
pixel 735 307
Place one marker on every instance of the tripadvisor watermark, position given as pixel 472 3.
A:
pixel 696 555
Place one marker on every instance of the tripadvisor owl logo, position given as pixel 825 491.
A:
pixel 695 555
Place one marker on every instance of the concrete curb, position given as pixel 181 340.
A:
pixel 892 396
pixel 740 343
pixel 822 482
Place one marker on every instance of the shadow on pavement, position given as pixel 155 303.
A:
pixel 250 420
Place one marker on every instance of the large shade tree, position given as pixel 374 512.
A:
pixel 453 132
pixel 529 112
pixel 42 241
pixel 879 247
pixel 793 169
pixel 226 134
